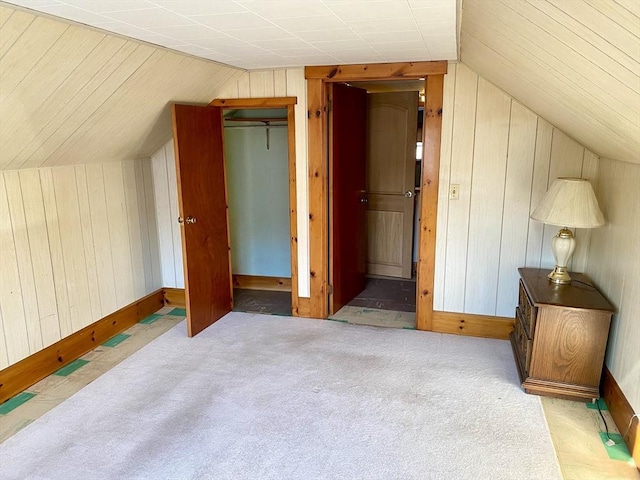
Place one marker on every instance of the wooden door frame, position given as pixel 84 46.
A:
pixel 317 80
pixel 288 103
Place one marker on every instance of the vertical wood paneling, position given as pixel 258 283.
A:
pixel 504 163
pixel 4 355
pixel 539 187
pixel 455 259
pixel 15 326
pixel 515 209
pixel 102 241
pixel 135 233
pixel 176 234
pixel 23 257
pixel 443 193
pixel 612 264
pixel 87 237
pixel 289 82
pixel 297 87
pixel 75 264
pixel 280 83
pixel 163 217
pixel 152 227
pixel 145 244
pixel 119 232
pixel 261 84
pixel 55 249
pixel 59 228
pixel 40 255
pixel 566 161
pixel 487 189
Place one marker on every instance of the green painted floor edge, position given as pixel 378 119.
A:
pixel 116 340
pixel 619 451
pixel 150 319
pixel 70 368
pixel 15 402
pixel 178 312
pixel 594 405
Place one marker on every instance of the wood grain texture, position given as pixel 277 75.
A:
pixel 453 256
pixel 487 187
pixel 432 131
pixel 570 62
pixel 569 326
pixel 254 102
pixel 63 263
pixel 391 171
pixel 202 195
pixel 487 326
pixel 318 194
pixel 348 170
pixel 21 375
pixel 386 71
pixel 69 90
pixel 610 252
pixel 450 80
pixel 254 282
pixel 174 297
pixel 622 412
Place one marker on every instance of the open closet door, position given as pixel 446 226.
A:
pixel 202 199
pixel 348 212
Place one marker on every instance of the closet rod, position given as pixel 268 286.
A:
pixel 255 119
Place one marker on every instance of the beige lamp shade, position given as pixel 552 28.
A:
pixel 570 202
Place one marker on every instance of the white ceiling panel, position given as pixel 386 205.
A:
pixel 276 33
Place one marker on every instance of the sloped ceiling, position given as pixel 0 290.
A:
pixel 575 63
pixel 277 33
pixel 70 94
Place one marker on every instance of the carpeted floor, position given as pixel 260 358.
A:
pixel 261 397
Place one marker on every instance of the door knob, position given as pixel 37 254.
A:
pixel 180 220
pixel 364 200
pixel 408 194
pixel 190 220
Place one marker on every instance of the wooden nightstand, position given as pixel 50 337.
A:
pixel 560 335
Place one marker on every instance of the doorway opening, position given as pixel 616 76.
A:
pixel 257 174
pixel 390 145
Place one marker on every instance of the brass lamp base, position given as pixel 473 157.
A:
pixel 562 245
pixel 559 276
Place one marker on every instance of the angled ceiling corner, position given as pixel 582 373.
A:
pixel 71 94
pixel 576 64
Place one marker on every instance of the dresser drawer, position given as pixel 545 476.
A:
pixel 523 342
pixel 528 311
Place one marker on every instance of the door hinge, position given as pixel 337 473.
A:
pixel 330 289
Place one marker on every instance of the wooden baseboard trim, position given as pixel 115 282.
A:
pixel 174 297
pixel 303 309
pixel 473 325
pixel 20 376
pixel 623 415
pixel 255 282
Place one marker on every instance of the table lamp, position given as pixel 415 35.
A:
pixel 569 203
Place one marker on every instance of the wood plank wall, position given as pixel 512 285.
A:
pixel 614 265
pixel 504 157
pixel 69 91
pixel 76 244
pixel 501 154
pixel 269 83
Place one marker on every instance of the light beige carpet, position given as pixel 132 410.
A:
pixel 267 397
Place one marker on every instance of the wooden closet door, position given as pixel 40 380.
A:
pixel 202 198
pixel 391 162
pixel 348 143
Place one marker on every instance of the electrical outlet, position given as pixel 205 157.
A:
pixel 454 191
